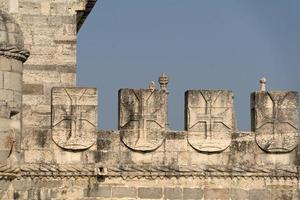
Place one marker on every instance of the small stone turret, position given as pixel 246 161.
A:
pixel 12 56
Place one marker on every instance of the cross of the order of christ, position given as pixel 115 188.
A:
pixel 143 117
pixel 210 118
pixel 72 128
pixel 275 120
pixel 144 127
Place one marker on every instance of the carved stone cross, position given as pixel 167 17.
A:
pixel 74 117
pixel 275 120
pixel 209 119
pixel 142 118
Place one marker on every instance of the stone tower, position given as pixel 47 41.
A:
pixel 51 147
pixel 12 56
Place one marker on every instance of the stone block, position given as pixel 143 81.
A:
pixel 124 192
pixel 221 194
pixel 41 77
pixel 45 8
pixel 32 100
pixel 184 158
pixel 176 145
pixel 89 157
pixel 74 117
pixel 13 81
pixel 33 89
pixel 66 157
pixel 150 193
pixel 173 193
pixel 35 138
pixel 22 185
pixel 282 194
pixel 274 118
pixel 16 66
pixel 98 191
pixel 158 158
pixel 102 156
pixel 237 194
pixel 209 119
pixel 257 194
pixel 192 193
pixel 4 185
pixel 103 144
pixel 34 8
pixel 5 63
pixel 13 6
pixel 38 156
pixel 142 118
pixel 141 158
pixel 36 119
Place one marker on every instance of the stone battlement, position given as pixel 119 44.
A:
pixel 51 147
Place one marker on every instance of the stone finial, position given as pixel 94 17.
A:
pixel 263 82
pixel 152 86
pixel 163 81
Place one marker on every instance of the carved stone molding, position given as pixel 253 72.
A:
pixel 15 53
pixel 49 170
pixel 203 172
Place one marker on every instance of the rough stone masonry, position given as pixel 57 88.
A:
pixel 51 148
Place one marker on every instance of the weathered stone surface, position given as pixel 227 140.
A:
pixel 192 193
pixel 142 118
pixel 150 193
pixel 173 193
pixel 275 120
pixel 215 193
pixel 10 32
pixel 12 55
pixel 209 119
pixel 37 89
pixel 98 191
pixel 142 160
pixel 124 192
pixel 74 117
pixel 237 194
pixel 257 194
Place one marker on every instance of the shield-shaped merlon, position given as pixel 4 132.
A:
pixel 74 117
pixel 274 119
pixel 142 118
pixel 209 119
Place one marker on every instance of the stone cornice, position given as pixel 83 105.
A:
pixel 82 15
pixel 125 172
pixel 203 172
pixel 15 53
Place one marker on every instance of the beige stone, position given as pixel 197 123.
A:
pixel 74 117
pixel 50 147
pixel 209 119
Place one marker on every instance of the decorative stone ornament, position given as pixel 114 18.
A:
pixel 275 120
pixel 143 117
pixel 209 119
pixel 74 117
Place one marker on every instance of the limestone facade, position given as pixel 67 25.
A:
pixel 51 147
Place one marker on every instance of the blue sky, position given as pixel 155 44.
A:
pixel 209 44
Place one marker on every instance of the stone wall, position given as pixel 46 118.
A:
pixel 59 153
pixel 50 34
pixel 167 188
